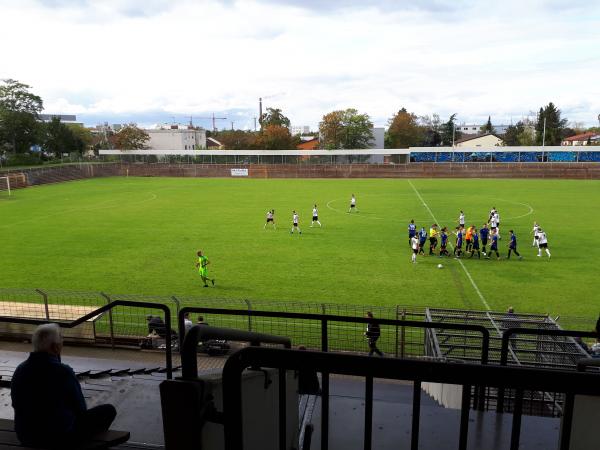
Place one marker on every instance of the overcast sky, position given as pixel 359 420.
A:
pixel 151 61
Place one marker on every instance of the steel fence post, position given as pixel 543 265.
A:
pixel 396 346
pixel 249 305
pixel 110 321
pixel 45 297
pixel 177 304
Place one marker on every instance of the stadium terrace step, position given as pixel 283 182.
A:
pixel 106 440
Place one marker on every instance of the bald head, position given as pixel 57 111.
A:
pixel 47 338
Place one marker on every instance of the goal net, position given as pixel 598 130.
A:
pixel 4 186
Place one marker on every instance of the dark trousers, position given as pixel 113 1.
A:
pixel 513 250
pixel 93 421
pixel 373 347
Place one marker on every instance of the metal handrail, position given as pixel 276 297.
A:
pixel 325 319
pixel 506 335
pixel 465 374
pixel 201 333
pixel 109 307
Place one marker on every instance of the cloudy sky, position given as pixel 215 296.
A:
pixel 151 61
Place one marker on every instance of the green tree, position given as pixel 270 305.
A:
pixel 274 116
pixel 554 125
pixel 57 138
pixel 346 129
pixel 83 138
pixel 237 139
pixel 275 137
pixel 131 138
pixel 431 130
pixel 19 111
pixel 448 132
pixel 404 130
pixel 488 128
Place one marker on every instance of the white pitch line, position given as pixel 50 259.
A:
pixel 481 297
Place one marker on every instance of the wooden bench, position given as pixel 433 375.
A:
pixel 106 440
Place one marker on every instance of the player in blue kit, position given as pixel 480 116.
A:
pixel 475 244
pixel 512 245
pixel 422 240
pixel 484 234
pixel 494 246
pixel 444 242
pixel 459 242
pixel 412 231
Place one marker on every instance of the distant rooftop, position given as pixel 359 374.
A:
pixel 62 117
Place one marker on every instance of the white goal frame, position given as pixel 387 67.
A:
pixel 7 183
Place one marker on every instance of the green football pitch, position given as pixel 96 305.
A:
pixel 140 235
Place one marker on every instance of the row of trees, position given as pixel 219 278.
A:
pixel 21 129
pixel 409 130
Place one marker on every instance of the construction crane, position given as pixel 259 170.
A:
pixel 214 120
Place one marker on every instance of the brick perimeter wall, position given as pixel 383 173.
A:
pixel 45 175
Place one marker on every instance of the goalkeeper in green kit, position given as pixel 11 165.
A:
pixel 202 264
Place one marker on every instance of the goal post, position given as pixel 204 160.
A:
pixel 5 184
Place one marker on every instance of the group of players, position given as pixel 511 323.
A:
pixel 296 217
pixel 473 240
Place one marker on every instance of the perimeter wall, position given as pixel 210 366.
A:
pixel 55 174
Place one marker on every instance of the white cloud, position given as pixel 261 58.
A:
pixel 181 57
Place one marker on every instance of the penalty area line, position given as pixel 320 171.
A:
pixel 481 297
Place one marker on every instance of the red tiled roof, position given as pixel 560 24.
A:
pixel 581 137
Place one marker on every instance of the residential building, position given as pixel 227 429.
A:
pixel 378 138
pixel 213 144
pixel 64 118
pixel 299 129
pixel 476 129
pixel 311 144
pixel 177 137
pixel 481 140
pixel 589 138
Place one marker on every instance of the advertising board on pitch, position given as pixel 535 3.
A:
pixel 239 172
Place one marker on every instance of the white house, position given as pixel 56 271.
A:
pixel 177 138
pixel 589 138
pixel 482 140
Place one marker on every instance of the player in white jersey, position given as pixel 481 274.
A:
pixel 461 219
pixel 315 217
pixel 493 224
pixel 542 242
pixel 414 243
pixel 497 217
pixel 353 204
pixel 536 234
pixel 270 219
pixel 492 214
pixel 295 220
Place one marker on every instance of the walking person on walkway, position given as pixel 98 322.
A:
pixel 373 332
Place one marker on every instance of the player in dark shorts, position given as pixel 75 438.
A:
pixel 444 242
pixel 270 219
pixel 422 240
pixel 494 246
pixel 475 243
pixel 484 234
pixel 412 231
pixel 512 245
pixel 459 242
pixel 433 232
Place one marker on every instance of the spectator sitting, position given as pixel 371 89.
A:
pixel 201 321
pixel 50 410
pixel 187 323
pixel 156 326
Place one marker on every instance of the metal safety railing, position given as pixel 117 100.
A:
pixel 109 307
pixel 467 375
pixel 326 319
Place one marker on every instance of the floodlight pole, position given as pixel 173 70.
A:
pixel 453 133
pixel 544 133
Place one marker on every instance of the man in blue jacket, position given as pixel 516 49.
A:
pixel 50 410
